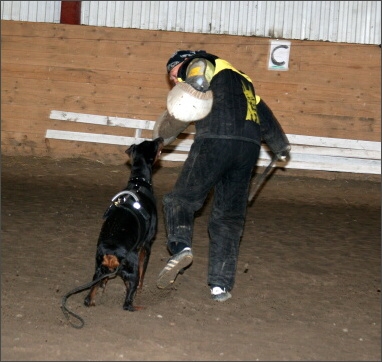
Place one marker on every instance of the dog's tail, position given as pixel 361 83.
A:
pixel 81 288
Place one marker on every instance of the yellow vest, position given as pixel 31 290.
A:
pixel 223 64
pixel 220 65
pixel 251 101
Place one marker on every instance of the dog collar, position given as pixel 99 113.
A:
pixel 140 179
pixel 142 186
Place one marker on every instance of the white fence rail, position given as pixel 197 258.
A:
pixel 308 152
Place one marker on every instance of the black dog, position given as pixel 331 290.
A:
pixel 127 234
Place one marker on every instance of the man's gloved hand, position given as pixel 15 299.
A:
pixel 284 155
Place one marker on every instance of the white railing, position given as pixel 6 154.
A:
pixel 308 152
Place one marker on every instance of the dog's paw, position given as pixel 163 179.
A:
pixel 131 308
pixel 89 302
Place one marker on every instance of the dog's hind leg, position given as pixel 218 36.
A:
pixel 89 301
pixel 131 290
pixel 90 298
pixel 130 278
pixel 144 256
pixel 112 263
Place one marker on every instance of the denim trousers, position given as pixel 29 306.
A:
pixel 224 166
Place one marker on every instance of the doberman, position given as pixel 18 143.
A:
pixel 128 231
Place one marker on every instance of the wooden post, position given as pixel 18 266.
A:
pixel 70 12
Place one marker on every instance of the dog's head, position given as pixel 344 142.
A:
pixel 148 150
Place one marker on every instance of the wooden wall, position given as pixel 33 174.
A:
pixel 330 90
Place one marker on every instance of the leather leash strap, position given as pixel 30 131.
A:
pixel 259 180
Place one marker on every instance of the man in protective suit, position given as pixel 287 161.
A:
pixel 230 122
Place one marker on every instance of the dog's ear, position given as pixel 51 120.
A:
pixel 130 150
pixel 160 146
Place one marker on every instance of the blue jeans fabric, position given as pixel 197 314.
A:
pixel 224 165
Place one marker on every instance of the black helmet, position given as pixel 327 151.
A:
pixel 180 56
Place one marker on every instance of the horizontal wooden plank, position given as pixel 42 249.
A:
pixel 39 113
pixel 126 49
pixel 336 165
pixel 371 150
pixel 333 52
pixel 135 50
pixel 330 126
pixel 334 142
pixel 146 124
pixel 80 75
pixel 78 69
pixel 95 33
pixel 83 61
pixel 128 100
pixel 335 126
pixel 119 93
pixel 304 160
pixel 125 141
pixel 102 120
pixel 338 152
pixel 92 137
pixel 118 99
pixel 324 102
pixel 322 74
pixel 351 167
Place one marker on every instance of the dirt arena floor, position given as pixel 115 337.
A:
pixel 308 282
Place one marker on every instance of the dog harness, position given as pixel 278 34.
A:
pixel 130 200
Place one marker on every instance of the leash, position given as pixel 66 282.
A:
pixel 81 288
pixel 116 202
pixel 259 180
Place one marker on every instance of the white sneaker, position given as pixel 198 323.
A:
pixel 220 294
pixel 174 266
